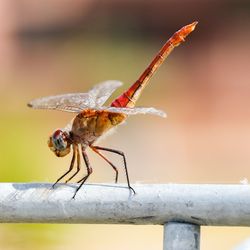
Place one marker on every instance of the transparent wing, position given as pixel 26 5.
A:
pixel 68 102
pixel 68 127
pixel 103 91
pixel 76 102
pixel 136 110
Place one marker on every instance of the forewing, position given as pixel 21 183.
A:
pixel 77 102
pixel 68 102
pixel 103 91
pixel 137 110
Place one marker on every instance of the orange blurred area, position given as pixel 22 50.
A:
pixel 53 47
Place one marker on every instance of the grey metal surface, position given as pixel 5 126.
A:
pixel 181 236
pixel 223 205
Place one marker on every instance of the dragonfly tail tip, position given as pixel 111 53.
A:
pixel 193 25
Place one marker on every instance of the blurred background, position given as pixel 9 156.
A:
pixel 58 46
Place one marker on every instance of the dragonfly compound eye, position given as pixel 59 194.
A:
pixel 58 143
pixel 59 140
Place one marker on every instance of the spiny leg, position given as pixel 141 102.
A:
pixel 108 161
pixel 89 171
pixel 124 160
pixel 70 167
pixel 78 165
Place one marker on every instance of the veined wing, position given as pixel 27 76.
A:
pixel 76 102
pixel 68 102
pixel 101 92
pixel 136 110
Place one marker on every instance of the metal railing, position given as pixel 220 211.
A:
pixel 180 208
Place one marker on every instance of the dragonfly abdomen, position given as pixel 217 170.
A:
pixel 129 98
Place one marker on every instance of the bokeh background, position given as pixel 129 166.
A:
pixel 58 46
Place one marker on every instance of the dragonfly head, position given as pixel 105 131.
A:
pixel 59 143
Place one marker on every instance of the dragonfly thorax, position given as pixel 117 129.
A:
pixel 89 125
pixel 59 143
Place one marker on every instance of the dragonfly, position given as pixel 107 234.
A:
pixel 93 119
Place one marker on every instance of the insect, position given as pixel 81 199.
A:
pixel 93 119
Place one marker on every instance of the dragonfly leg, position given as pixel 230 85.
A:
pixel 89 171
pixel 70 168
pixel 78 165
pixel 124 160
pixel 108 161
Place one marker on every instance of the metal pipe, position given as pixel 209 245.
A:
pixel 221 205
pixel 181 236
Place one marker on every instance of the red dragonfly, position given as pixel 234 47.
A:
pixel 93 119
